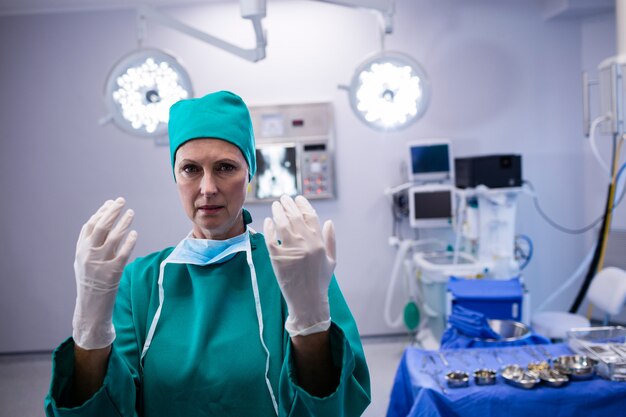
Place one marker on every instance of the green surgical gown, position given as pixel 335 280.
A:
pixel 206 358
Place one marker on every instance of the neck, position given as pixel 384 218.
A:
pixel 236 229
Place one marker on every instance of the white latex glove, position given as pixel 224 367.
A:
pixel 303 262
pixel 100 260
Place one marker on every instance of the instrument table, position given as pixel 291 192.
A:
pixel 420 388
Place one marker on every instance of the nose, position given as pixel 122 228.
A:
pixel 208 186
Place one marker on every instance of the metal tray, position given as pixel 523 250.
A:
pixel 606 345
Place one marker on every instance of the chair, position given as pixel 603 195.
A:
pixel 607 292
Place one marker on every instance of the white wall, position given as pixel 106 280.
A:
pixel 598 43
pixel 504 80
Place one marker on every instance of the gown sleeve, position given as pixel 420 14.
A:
pixel 352 395
pixel 118 395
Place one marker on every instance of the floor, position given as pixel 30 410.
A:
pixel 383 357
pixel 24 379
pixel 24 382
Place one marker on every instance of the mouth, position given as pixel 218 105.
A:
pixel 209 208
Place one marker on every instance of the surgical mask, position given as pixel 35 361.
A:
pixel 203 252
pixel 206 251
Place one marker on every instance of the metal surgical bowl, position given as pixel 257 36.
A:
pixel 553 378
pixel 457 379
pixel 575 366
pixel 509 330
pixel 519 377
pixel 485 376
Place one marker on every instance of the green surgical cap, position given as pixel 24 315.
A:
pixel 222 115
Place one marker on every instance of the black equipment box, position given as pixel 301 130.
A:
pixel 492 171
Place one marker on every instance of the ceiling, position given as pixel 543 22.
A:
pixel 552 8
pixel 12 7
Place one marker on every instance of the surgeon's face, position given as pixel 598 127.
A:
pixel 212 178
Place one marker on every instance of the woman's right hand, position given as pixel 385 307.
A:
pixel 102 251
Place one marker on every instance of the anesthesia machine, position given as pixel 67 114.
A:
pixel 462 212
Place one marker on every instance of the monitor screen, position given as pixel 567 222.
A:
pixel 276 171
pixel 430 161
pixel 430 208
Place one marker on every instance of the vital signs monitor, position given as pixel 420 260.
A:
pixel 430 160
pixel 431 205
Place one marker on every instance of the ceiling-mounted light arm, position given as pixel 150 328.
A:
pixel 254 10
pixel 385 8
pixel 141 29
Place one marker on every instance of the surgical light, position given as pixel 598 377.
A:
pixel 142 87
pixel 389 91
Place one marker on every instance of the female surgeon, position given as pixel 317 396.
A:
pixel 228 322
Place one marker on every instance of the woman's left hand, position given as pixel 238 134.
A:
pixel 303 262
